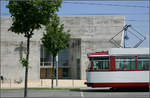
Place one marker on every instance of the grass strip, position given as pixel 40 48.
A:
pixel 21 89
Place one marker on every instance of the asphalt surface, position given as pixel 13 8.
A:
pixel 82 93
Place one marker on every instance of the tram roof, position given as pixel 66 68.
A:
pixel 128 51
pixel 121 52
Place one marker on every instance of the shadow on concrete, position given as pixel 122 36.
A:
pixel 124 89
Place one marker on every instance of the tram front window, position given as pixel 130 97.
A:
pixel 101 63
pixel 89 66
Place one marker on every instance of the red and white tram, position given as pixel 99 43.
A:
pixel 119 67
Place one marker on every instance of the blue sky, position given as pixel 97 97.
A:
pixel 136 12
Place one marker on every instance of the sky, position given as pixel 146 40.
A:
pixel 136 14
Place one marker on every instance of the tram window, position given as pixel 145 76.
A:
pixel 143 63
pixel 101 63
pixel 89 66
pixel 125 63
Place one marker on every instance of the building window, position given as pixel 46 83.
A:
pixel 46 61
pixel 63 57
pixel 78 68
pixel 65 74
pixel 125 63
pixel 101 63
pixel 143 63
pixel 45 57
pixel 45 73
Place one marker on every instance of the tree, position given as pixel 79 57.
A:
pixel 55 39
pixel 28 16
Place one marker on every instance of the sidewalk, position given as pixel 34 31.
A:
pixel 44 84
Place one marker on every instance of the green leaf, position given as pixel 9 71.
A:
pixel 24 62
pixel 55 38
pixel 30 15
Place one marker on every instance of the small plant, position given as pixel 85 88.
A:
pixel 24 62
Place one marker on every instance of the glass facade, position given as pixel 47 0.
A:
pixel 45 57
pixel 46 61
pixel 125 63
pixel 63 58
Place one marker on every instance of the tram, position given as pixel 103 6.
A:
pixel 119 67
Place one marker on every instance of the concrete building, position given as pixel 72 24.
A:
pixel 89 34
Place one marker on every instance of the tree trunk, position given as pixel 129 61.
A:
pixel 26 68
pixel 53 72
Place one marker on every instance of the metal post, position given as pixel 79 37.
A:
pixel 57 70
pixel 124 40
pixel 72 78
pixel 43 55
pixel 73 83
pixel 10 83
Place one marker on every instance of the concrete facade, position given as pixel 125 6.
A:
pixel 89 34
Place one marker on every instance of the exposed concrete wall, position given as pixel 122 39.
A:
pixel 74 56
pixel 11 68
pixel 94 32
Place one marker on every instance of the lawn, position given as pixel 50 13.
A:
pixel 18 89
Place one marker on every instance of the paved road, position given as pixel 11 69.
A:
pixel 83 93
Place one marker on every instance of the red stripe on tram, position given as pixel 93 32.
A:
pixel 132 84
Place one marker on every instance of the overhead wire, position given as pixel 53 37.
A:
pixel 140 6
pixel 112 14
pixel 88 3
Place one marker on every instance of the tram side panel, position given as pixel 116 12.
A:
pixel 118 79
